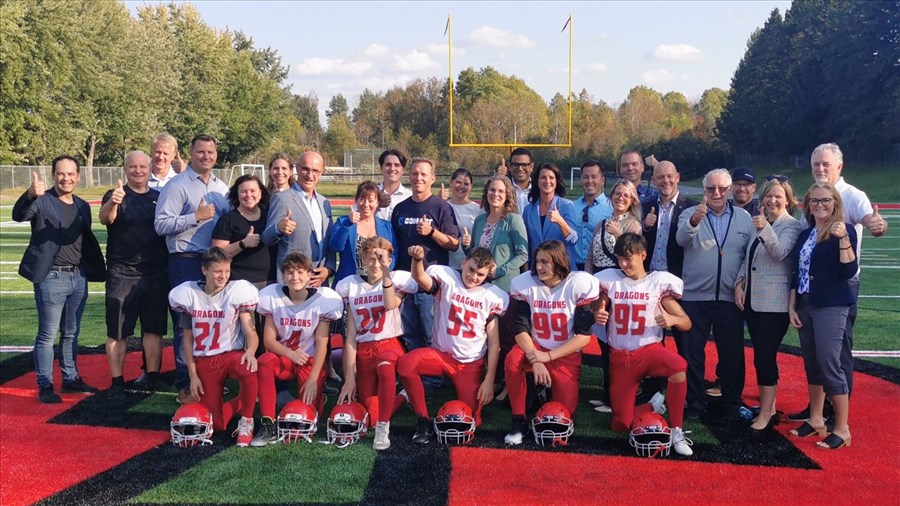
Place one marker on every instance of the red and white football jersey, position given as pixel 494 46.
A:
pixel 461 314
pixel 214 318
pixel 366 305
pixel 553 309
pixel 632 317
pixel 295 324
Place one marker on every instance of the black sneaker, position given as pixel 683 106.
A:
pixel 516 431
pixel 78 386
pixel 48 396
pixel 424 430
pixel 266 434
pixel 115 393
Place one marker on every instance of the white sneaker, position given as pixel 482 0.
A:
pixel 382 433
pixel 596 402
pixel 658 401
pixel 602 407
pixel 516 432
pixel 244 432
pixel 681 443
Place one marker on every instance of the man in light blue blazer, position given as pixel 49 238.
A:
pixel 300 220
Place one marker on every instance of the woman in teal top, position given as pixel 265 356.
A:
pixel 501 230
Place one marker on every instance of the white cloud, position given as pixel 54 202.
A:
pixel 322 67
pixel 598 69
pixel 676 52
pixel 377 50
pixel 657 77
pixel 438 49
pixel 495 37
pixel 413 61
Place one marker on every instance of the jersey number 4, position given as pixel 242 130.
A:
pixel 202 332
pixel 373 319
pixel 460 317
pixel 550 326
pixel 624 319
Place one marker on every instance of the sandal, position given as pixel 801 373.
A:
pixel 833 442
pixel 807 430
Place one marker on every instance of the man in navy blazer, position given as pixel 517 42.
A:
pixel 62 256
pixel 300 220
pixel 661 221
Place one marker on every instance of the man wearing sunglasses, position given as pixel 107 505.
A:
pixel 521 163
pixel 593 207
pixel 714 235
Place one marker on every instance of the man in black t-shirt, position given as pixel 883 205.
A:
pixel 137 283
pixel 427 221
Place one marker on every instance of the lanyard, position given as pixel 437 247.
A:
pixel 721 245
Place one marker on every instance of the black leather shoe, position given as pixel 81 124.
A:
pixel 775 420
pixel 48 396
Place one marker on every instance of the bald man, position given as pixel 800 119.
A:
pixel 300 220
pixel 137 279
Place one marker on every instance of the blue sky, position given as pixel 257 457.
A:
pixel 345 47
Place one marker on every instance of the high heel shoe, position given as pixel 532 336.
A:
pixel 807 430
pixel 833 442
pixel 773 421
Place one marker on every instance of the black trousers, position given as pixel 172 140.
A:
pixel 767 331
pixel 726 322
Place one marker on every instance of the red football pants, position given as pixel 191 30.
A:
pixel 376 378
pixel 213 371
pixel 628 368
pixel 272 366
pixel 564 375
pixel 467 377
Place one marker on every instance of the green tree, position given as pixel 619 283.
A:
pixel 338 139
pixel 643 116
pixel 708 110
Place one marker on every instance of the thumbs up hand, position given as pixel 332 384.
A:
pixel 554 215
pixel 424 227
pixel 663 318
pixel 354 217
pixel 252 239
pixel 445 193
pixel 38 187
pixel 204 211
pixel 118 194
pixel 650 219
pixel 699 213
pixel 877 225
pixel 466 239
pixel 759 221
pixel 286 225
pixel 601 315
pixel 501 169
pixel 178 164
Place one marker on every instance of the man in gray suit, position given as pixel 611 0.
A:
pixel 300 220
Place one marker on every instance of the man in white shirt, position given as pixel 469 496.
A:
pixel 393 163
pixel 163 152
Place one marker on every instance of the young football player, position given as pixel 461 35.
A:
pixel 552 326
pixel 465 331
pixel 639 306
pixel 215 347
pixel 296 339
pixel 372 348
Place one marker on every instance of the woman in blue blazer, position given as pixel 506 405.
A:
pixel 824 261
pixel 549 215
pixel 350 231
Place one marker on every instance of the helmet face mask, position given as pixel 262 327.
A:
pixel 297 421
pixel 552 425
pixel 454 424
pixel 650 435
pixel 191 425
pixel 347 424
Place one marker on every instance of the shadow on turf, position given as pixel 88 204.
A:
pixel 404 474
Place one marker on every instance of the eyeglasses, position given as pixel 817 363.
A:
pixel 823 202
pixel 721 189
pixel 584 214
pixel 779 177
pixel 516 165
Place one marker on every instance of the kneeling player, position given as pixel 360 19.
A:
pixel 215 348
pixel 296 339
pixel 642 306
pixel 465 330
pixel 372 348
pixel 552 327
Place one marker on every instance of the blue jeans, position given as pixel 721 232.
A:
pixel 417 317
pixel 60 300
pixel 181 270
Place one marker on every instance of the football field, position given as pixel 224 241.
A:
pixel 91 450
